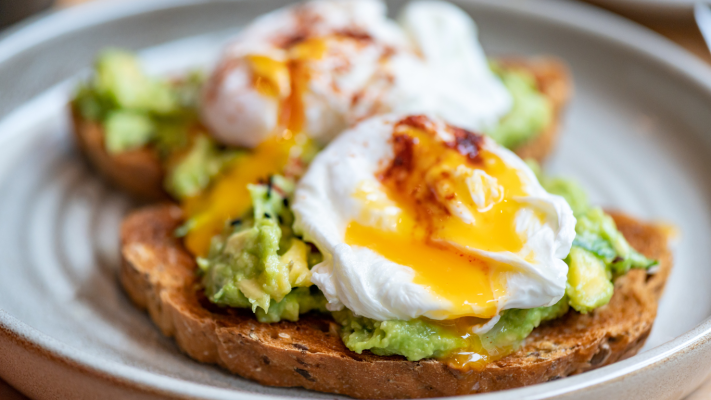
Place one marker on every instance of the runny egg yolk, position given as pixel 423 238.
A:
pixel 288 80
pixel 475 354
pixel 446 206
pixel 228 198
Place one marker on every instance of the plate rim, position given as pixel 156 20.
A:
pixel 649 6
pixel 576 16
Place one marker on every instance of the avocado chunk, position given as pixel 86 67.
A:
pixel 259 264
pixel 597 233
pixel 119 77
pixel 589 285
pixel 136 109
pixel 196 169
pixel 127 130
pixel 299 301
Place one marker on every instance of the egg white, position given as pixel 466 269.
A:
pixel 242 116
pixel 369 284
pixel 429 61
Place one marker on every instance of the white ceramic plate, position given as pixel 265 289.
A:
pixel 637 137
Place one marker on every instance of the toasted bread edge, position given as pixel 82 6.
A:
pixel 555 82
pixel 159 275
pixel 138 172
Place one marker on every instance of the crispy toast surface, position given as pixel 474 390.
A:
pixel 160 275
pixel 140 172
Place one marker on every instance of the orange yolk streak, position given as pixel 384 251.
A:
pixel 228 197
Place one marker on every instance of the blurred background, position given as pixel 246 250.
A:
pixel 674 19
pixel 671 18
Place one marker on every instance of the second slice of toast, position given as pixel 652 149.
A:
pixel 140 172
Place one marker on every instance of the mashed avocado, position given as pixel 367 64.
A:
pixel 420 338
pixel 258 261
pixel 531 111
pixel 197 167
pixel 259 264
pixel 126 130
pixel 515 325
pixel 599 253
pixel 136 109
pixel 415 339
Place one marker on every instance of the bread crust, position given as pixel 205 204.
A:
pixel 140 172
pixel 159 275
pixel 554 81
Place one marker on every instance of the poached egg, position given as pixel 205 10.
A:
pixel 321 66
pixel 417 218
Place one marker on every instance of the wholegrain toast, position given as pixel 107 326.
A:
pixel 554 82
pixel 140 172
pixel 160 275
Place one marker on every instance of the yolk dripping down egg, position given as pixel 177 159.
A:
pixel 284 84
pixel 281 142
pixel 416 218
pixel 310 70
pixel 228 197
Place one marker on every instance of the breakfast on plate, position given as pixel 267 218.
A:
pixel 360 209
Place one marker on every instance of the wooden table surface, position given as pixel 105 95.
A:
pixel 680 29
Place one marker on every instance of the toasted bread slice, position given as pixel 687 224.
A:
pixel 160 275
pixel 140 172
pixel 554 81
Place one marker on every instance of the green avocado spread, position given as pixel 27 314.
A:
pixel 530 114
pixel 259 263
pixel 197 167
pixel 137 110
pixel 421 338
pixel 599 253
